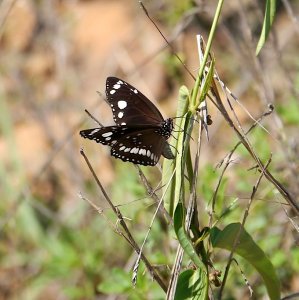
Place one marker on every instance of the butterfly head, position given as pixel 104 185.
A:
pixel 166 128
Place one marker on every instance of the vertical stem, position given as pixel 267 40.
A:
pixel 194 105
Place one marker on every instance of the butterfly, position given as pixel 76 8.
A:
pixel 140 134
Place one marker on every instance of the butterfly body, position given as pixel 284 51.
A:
pixel 140 133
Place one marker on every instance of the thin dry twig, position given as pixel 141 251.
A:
pixel 282 190
pixel 93 118
pixel 228 161
pixel 123 224
pixel 160 204
pixel 153 195
pixel 165 39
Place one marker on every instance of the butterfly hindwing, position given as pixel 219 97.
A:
pixel 140 146
pixel 143 147
pixel 129 106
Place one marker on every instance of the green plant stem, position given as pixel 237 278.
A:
pixel 194 105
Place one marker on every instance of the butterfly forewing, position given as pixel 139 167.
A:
pixel 129 106
pixel 140 133
pixel 105 135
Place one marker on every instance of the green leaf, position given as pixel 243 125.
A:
pixel 206 83
pixel 184 239
pixel 191 285
pixel 200 279
pixel 172 194
pixel 268 21
pixel 250 251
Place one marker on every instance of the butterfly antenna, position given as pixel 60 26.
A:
pixel 92 117
pixel 191 138
pixel 165 39
pixel 193 119
pixel 174 137
pixel 181 131
pixel 208 122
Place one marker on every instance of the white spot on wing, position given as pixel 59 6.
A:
pixel 120 114
pixel 107 134
pixel 94 131
pixel 108 138
pixel 148 153
pixel 135 91
pixel 122 148
pixel 112 92
pixel 142 152
pixel 127 149
pixel 122 104
pixel 116 86
pixel 123 123
pixel 134 150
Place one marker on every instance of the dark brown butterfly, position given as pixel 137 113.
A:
pixel 140 133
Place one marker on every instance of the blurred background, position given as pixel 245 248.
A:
pixel 54 57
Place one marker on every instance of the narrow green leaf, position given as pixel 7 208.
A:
pixel 184 239
pixel 173 192
pixel 206 84
pixel 268 21
pixel 200 278
pixel 250 251
pixel 191 285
